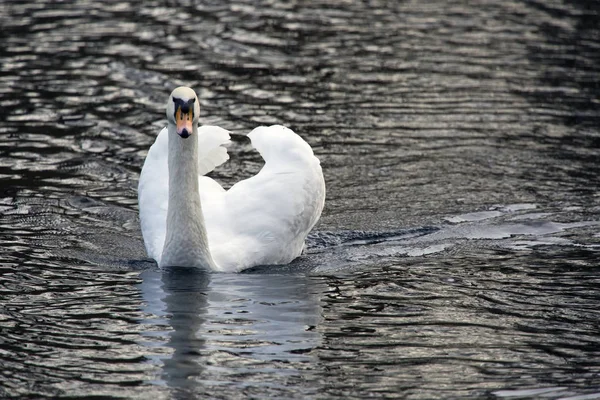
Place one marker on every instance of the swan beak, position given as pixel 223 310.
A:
pixel 184 123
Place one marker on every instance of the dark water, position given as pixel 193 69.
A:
pixel 457 253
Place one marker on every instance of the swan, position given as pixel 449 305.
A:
pixel 189 220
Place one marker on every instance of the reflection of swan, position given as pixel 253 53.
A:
pixel 261 220
pixel 186 301
pixel 207 330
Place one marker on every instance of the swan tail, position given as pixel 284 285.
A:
pixel 211 150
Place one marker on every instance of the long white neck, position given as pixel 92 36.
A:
pixel 186 243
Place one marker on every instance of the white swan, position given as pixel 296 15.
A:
pixel 189 220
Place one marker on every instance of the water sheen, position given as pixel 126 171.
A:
pixel 457 253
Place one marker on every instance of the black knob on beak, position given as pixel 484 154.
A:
pixel 184 133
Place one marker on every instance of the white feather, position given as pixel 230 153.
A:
pixel 262 220
pixel 153 189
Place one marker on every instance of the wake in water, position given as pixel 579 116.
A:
pixel 114 240
pixel 511 227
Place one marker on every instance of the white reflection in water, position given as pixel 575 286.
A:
pixel 220 326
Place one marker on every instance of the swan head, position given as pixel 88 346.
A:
pixel 183 109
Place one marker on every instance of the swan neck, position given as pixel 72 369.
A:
pixel 186 242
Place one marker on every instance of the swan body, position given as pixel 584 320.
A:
pixel 188 219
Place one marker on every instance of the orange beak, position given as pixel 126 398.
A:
pixel 184 123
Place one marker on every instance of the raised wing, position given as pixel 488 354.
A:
pixel 270 214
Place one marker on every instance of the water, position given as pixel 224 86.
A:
pixel 457 253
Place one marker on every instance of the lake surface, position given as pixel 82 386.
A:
pixel 457 255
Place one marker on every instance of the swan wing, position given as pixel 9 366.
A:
pixel 211 150
pixel 153 188
pixel 268 216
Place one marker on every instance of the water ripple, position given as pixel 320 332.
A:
pixel 456 254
